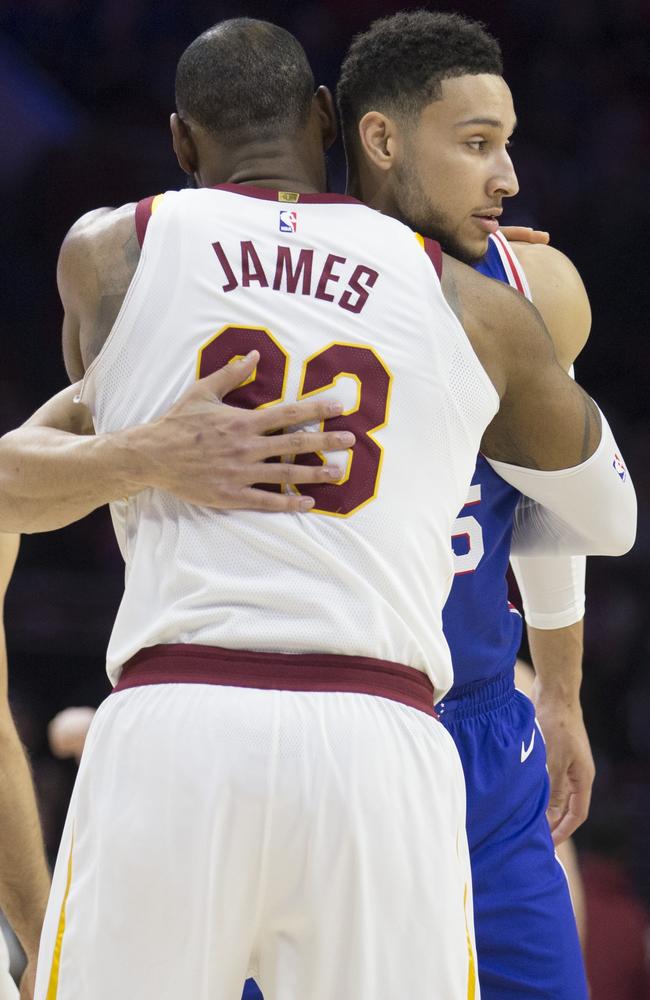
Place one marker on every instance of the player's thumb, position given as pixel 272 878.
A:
pixel 223 381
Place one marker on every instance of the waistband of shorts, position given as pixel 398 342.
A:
pixel 194 664
pixel 478 697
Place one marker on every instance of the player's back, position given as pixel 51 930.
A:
pixel 302 280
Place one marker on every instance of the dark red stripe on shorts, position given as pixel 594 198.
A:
pixel 193 664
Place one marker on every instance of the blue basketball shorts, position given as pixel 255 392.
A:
pixel 526 936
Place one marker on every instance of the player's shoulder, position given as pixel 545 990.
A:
pixel 90 249
pixel 544 263
pixel 100 226
pixel 560 295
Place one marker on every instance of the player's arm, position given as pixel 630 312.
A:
pixel 53 470
pixel 553 587
pixel 548 438
pixel 560 296
pixel 24 877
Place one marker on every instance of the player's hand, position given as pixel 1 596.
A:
pixel 212 454
pixel 524 234
pixel 28 981
pixel 66 732
pixel 570 763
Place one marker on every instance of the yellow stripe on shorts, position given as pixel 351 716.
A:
pixel 53 985
pixel 471 972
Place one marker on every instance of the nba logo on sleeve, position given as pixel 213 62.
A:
pixel 619 468
pixel 288 220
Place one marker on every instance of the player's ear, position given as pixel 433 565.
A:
pixel 378 139
pixel 326 116
pixel 184 145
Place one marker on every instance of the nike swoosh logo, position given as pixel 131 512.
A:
pixel 526 751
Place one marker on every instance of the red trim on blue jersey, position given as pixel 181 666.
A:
pixel 433 251
pixel 514 265
pixel 194 664
pixel 142 216
pixel 301 198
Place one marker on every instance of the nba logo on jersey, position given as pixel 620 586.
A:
pixel 619 468
pixel 288 220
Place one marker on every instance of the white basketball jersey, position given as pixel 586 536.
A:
pixel 341 301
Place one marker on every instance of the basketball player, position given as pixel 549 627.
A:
pixel 427 120
pixel 265 811
pixel 24 878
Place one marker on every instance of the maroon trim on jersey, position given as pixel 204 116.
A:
pixel 142 216
pixel 194 664
pixel 433 251
pixel 273 194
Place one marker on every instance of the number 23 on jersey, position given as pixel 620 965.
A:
pixel 359 484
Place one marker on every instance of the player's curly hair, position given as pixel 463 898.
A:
pixel 245 76
pixel 398 64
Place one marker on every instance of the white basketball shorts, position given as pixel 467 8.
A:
pixel 313 839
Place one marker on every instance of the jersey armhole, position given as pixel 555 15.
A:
pixel 433 251
pixel 143 212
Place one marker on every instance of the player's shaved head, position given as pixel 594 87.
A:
pixel 245 77
pixel 398 64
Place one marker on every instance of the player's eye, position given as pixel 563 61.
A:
pixel 477 144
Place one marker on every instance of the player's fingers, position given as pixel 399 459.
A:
pixel 558 802
pixel 284 472
pixel 223 381
pixel 303 442
pixel 305 411
pixel 575 815
pixel 272 502
pixel 525 234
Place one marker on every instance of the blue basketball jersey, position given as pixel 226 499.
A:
pixel 482 628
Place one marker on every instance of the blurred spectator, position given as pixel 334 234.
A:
pixel 618 924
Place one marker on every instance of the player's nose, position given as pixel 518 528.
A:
pixel 504 181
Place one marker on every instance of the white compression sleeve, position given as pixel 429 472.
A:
pixel 552 589
pixel 589 509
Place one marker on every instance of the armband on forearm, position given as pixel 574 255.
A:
pixel 552 589
pixel 589 509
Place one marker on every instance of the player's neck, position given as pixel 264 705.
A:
pixel 294 169
pixel 373 190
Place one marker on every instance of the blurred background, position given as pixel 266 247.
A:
pixel 86 89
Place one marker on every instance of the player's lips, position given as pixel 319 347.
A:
pixel 487 220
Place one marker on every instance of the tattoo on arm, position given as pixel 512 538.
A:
pixel 590 426
pixel 132 252
pixel 114 283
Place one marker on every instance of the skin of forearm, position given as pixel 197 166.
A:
pixel 557 658
pixel 24 876
pixel 50 478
